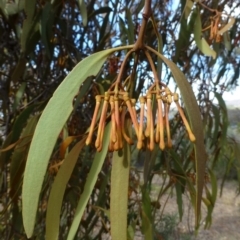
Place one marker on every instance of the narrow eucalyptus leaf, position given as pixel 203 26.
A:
pixel 58 189
pixel 90 183
pixel 83 9
pixel 53 119
pixel 119 193
pixel 200 41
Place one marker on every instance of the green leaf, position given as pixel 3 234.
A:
pixel 131 232
pixel 214 186
pixel 19 70
pixel 84 88
pixel 200 41
pixel 53 119
pixel 119 193
pixel 90 183
pixel 58 189
pixel 197 128
pixel 21 121
pixel 224 119
pixel 47 18
pixel 227 41
pixel 102 35
pixel 4 156
pixel 19 156
pixel 19 95
pixel 83 10
pixel 100 11
pixel 130 27
pixel 147 222
pixel 27 24
pixel 188 8
pixel 227 26
pixel 216 113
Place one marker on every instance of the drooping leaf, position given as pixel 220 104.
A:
pixel 227 41
pixel 227 26
pixel 4 156
pixel 194 115
pixel 53 119
pixel 47 18
pixel 216 113
pixel 103 34
pixel 224 118
pixel 83 9
pixel 130 27
pixel 147 221
pixel 29 8
pixel 58 189
pixel 92 217
pixel 100 11
pixel 200 41
pixel 19 70
pixel 19 95
pixel 18 158
pixel 89 185
pixel 119 193
pixel 188 8
pixel 64 145
pixel 82 92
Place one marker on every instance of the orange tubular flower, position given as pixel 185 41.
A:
pixel 169 141
pixel 161 124
pixel 101 126
pixel 119 132
pixel 123 113
pixel 140 136
pixel 133 104
pixel 113 137
pixel 149 115
pixel 111 144
pixel 157 132
pixel 190 133
pixel 94 119
pixel 133 117
pixel 116 105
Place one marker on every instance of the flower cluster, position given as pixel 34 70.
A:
pixel 151 125
pixel 115 106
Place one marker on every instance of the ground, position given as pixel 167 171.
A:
pixel 226 217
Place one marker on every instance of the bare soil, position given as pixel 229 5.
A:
pixel 225 217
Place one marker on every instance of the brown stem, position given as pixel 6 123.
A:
pixel 146 15
pixel 122 67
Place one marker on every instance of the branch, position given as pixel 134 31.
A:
pixel 146 15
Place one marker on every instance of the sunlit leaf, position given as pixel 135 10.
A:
pixel 58 189
pixel 188 8
pixel 90 183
